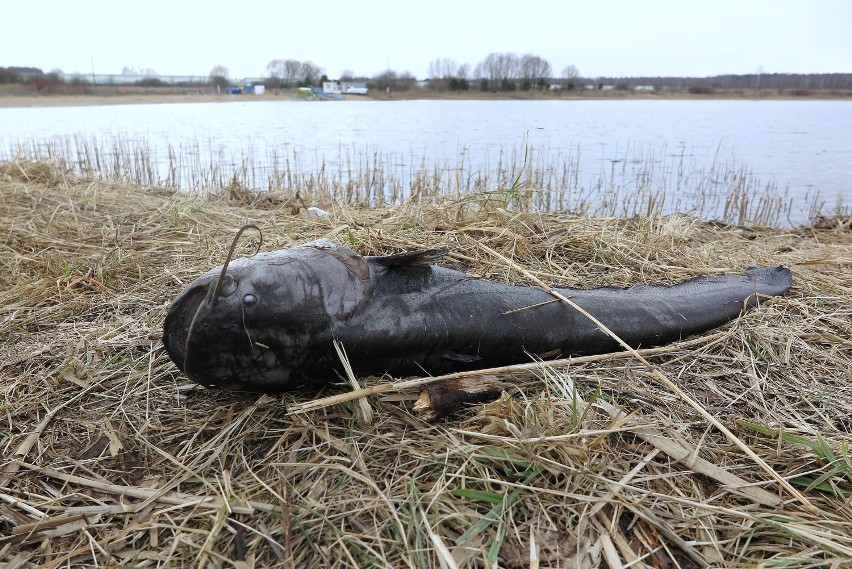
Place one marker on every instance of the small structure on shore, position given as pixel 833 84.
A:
pixel 345 87
pixel 316 94
pixel 248 88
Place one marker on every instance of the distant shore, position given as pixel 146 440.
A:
pixel 134 99
pixel 113 97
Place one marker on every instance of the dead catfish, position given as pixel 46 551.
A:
pixel 268 323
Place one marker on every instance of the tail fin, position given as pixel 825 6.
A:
pixel 772 281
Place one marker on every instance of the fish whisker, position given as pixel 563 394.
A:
pixel 221 280
pixel 218 288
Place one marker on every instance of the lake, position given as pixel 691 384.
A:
pixel 798 151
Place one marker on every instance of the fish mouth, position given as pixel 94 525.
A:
pixel 178 323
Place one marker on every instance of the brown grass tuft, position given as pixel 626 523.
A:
pixel 110 457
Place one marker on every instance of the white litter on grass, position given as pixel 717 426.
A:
pixel 314 213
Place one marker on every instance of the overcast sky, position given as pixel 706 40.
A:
pixel 599 37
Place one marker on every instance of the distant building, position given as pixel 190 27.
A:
pixel 644 88
pixel 344 87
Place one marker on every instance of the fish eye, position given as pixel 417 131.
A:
pixel 249 299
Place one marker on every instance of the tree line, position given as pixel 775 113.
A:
pixel 505 71
pixel 801 81
pixel 508 71
pixel 498 71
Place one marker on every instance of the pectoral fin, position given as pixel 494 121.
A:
pixel 412 258
pixel 462 358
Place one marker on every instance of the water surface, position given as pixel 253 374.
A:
pixel 799 149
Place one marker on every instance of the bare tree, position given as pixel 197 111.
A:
pixel 447 73
pixel 276 69
pixel 500 66
pixel 533 67
pixel 347 75
pixel 569 76
pixel 292 71
pixel 392 81
pixel 443 68
pixel 490 67
pixel 478 71
pixel 219 71
pixel 219 76
pixel 570 72
pixel 310 73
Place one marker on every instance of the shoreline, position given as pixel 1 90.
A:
pixel 64 100
pixel 24 101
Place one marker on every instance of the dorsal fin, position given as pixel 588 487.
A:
pixel 411 258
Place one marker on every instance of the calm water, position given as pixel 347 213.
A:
pixel 801 148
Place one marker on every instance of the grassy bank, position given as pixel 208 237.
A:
pixel 110 457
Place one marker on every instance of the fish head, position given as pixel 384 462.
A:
pixel 266 324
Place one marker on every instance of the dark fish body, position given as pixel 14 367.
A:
pixel 273 323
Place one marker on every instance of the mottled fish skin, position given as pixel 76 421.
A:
pixel 277 314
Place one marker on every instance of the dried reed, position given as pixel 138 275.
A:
pixel 110 458
pixel 651 184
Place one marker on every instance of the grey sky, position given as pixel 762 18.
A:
pixel 600 37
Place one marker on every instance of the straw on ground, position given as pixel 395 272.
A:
pixel 109 456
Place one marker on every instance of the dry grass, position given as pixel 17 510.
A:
pixel 110 458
